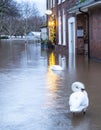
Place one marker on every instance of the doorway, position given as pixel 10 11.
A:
pixel 71 33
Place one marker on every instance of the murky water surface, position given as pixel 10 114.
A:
pixel 33 97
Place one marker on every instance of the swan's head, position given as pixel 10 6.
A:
pixel 77 86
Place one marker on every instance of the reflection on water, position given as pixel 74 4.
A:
pixel 57 60
pixel 80 122
pixel 32 96
pixel 52 59
pixel 71 62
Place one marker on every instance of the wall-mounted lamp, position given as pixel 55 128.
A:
pixel 51 23
pixel 48 12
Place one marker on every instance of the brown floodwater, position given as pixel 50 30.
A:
pixel 33 97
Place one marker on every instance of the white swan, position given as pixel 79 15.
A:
pixel 78 100
pixel 77 86
pixel 58 67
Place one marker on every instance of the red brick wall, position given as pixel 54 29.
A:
pixel 95 32
pixel 81 24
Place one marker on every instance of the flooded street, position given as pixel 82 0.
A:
pixel 33 97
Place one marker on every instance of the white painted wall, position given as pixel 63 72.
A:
pixel 71 33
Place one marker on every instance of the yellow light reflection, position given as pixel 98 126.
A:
pixel 53 77
pixel 52 59
pixel 53 80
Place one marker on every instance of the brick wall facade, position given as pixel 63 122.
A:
pixel 95 32
pixel 66 6
pixel 81 40
pixel 81 21
pixel 91 32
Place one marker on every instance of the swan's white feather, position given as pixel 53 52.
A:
pixel 78 100
pixel 56 67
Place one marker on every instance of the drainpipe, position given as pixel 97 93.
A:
pixel 88 30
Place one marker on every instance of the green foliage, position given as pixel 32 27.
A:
pixel 53 34
pixel 44 41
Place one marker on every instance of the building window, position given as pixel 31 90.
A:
pixel 59 28
pixel 53 3
pixel 59 1
pixel 49 4
pixel 64 27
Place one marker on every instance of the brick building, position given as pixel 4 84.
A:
pixel 75 26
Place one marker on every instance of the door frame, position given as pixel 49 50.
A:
pixel 71 34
